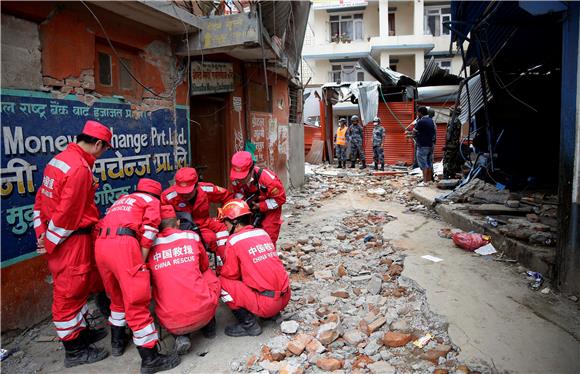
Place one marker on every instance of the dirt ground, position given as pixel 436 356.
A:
pixel 481 309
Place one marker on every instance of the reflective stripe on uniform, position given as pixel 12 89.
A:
pixel 145 335
pixel 268 174
pixel 222 234
pixel 62 232
pixel 37 222
pixel 150 235
pixel 60 165
pixel 238 196
pixel 53 238
pixel 271 204
pixel 145 197
pixel 177 236
pixel 249 234
pixel 36 214
pixel 65 328
pixel 221 242
pixel 171 195
pixel 207 188
pixel 150 228
pixel 226 297
pixel 117 319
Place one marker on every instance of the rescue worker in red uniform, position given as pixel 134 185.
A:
pixel 190 199
pixel 185 289
pixel 64 216
pixel 261 189
pixel 253 279
pixel 126 234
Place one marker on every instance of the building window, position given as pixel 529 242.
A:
pixel 434 19
pixel 346 73
pixel 444 64
pixel 113 78
pixel 393 67
pixel 345 28
pixel 391 23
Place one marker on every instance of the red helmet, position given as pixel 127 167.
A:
pixel 150 186
pixel 233 210
pixel 185 180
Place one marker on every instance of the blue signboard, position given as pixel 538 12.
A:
pixel 36 127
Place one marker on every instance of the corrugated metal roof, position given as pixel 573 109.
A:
pixel 387 77
pixel 471 97
pixel 433 75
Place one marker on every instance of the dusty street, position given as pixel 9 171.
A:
pixel 363 297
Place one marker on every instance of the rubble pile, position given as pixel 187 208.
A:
pixel 527 216
pixel 351 310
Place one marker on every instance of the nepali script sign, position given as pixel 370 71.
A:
pixel 211 77
pixel 36 127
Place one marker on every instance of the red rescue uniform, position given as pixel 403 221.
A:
pixel 185 289
pixel 65 211
pixel 272 196
pixel 213 232
pixel 253 277
pixel 121 265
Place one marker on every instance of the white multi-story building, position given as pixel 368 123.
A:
pixel 401 35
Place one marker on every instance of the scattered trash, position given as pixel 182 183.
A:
pixel 491 221
pixel 499 186
pixel 368 238
pixel 486 250
pixel 422 341
pixel 4 353
pixel 470 241
pixel 447 233
pixel 536 278
pixel 573 298
pixel 432 258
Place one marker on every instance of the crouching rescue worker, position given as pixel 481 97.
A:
pixel 125 236
pixel 253 279
pixel 64 216
pixel 185 289
pixel 190 199
pixel 261 189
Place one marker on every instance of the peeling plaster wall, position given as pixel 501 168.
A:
pixel 20 54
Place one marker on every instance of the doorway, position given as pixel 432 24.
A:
pixel 208 147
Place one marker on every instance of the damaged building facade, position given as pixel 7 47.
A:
pixel 180 83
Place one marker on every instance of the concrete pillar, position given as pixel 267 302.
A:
pixel 419 64
pixel 383 18
pixel 385 60
pixel 418 17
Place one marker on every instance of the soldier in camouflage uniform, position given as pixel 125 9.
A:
pixel 356 142
pixel 452 160
pixel 378 137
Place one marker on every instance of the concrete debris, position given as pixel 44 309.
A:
pixel 355 312
pixel 289 327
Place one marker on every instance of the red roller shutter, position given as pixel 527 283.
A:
pixel 397 147
pixel 441 135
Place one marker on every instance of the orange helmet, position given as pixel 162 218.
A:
pixel 234 209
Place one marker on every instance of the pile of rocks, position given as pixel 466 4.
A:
pixel 351 310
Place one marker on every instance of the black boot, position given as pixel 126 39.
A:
pixel 209 330
pixel 119 340
pixel 383 166
pixel 153 361
pixel 91 336
pixel 248 324
pixel 352 164
pixel 376 166
pixel 78 352
pixel 103 303
pixel 364 165
pixel 339 165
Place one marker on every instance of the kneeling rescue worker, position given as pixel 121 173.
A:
pixel 64 216
pixel 185 289
pixel 253 279
pixel 261 189
pixel 125 236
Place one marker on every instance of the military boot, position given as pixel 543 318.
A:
pixel 93 335
pixel 209 330
pixel 364 165
pixel 382 166
pixel 248 324
pixel 352 164
pixel 119 340
pixel 376 166
pixel 78 352
pixel 152 361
